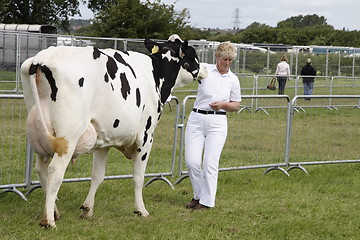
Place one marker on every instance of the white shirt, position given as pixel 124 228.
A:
pixel 216 87
pixel 282 68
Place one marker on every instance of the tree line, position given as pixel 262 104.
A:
pixel 154 19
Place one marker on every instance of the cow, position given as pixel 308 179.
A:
pixel 87 100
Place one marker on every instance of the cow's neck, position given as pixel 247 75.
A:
pixel 167 72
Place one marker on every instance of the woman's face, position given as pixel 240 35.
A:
pixel 223 64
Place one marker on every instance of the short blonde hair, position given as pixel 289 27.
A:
pixel 226 49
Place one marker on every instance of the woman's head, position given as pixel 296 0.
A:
pixel 225 53
pixel 226 50
pixel 284 58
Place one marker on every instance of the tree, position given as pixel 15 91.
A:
pixel 98 5
pixel 261 34
pixel 256 25
pixel 302 21
pixel 138 19
pixel 55 12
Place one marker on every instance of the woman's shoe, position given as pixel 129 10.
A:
pixel 192 204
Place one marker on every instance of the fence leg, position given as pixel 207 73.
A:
pixel 14 190
pixel 245 108
pixel 261 109
pixel 160 178
pixel 180 179
pixel 32 189
pixel 298 167
pixel 277 168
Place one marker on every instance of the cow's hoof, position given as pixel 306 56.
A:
pixel 142 214
pixel 46 225
pixel 57 216
pixel 86 212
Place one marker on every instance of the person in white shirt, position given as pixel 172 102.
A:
pixel 206 128
pixel 282 72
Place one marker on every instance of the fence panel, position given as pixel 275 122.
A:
pixel 324 135
pixel 12 141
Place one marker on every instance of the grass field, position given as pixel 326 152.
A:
pixel 250 205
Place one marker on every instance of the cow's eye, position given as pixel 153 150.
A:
pixel 186 65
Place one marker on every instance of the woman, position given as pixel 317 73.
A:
pixel 206 128
pixel 282 72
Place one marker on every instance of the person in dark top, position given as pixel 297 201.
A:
pixel 308 82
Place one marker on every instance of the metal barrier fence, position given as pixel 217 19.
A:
pixel 13 172
pixel 321 136
pixel 272 141
pixel 286 138
pixel 20 46
pixel 16 46
pixel 16 157
pixel 323 85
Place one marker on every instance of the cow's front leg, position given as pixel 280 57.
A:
pixel 98 174
pixel 56 171
pixel 139 173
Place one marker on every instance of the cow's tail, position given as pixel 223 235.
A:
pixel 59 144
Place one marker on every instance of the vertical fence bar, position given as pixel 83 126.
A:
pixel 28 164
pixel 17 79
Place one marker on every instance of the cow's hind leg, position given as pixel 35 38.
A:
pixel 42 164
pixel 56 171
pixel 98 174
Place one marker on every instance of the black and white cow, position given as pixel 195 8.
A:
pixel 85 99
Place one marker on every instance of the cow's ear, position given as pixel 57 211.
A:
pixel 183 48
pixel 151 46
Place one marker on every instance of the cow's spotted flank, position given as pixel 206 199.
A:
pixel 125 87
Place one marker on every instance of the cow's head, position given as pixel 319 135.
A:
pixel 177 60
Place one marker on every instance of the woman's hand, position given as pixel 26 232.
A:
pixel 227 106
pixel 216 105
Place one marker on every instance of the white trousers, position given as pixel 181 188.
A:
pixel 205 137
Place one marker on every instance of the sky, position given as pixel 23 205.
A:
pixel 221 13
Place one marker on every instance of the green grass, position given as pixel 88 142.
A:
pixel 250 205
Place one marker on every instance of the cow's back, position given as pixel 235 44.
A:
pixel 113 90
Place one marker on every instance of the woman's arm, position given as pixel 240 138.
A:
pixel 227 106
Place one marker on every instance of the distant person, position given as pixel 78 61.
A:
pixel 282 72
pixel 308 82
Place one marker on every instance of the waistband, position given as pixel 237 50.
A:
pixel 208 112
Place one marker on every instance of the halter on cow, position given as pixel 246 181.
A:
pixel 85 99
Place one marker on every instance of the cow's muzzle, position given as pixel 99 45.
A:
pixel 202 73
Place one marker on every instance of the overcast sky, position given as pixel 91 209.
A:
pixel 221 13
